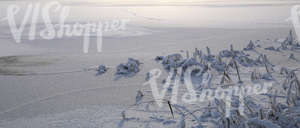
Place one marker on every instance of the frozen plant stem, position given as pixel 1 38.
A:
pixel 171 110
pixel 123 115
pixel 261 114
pixel 267 68
pixel 225 78
pixel 187 54
pixel 228 122
pixel 237 70
pixel 298 85
pixel 208 51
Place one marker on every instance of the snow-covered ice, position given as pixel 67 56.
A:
pixel 50 83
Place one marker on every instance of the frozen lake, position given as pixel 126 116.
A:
pixel 82 99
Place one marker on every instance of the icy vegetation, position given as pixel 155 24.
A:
pixel 101 70
pixel 129 69
pixel 279 107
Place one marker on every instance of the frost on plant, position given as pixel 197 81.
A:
pixel 129 69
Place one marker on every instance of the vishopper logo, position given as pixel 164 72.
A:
pixel 192 96
pixel 294 20
pixel 60 29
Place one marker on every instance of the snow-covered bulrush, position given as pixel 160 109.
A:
pixel 255 76
pixel 267 76
pixel 234 65
pixel 245 61
pixel 237 52
pixel 158 95
pixel 175 61
pixel 190 95
pixel 242 111
pixel 290 38
pixel 234 120
pixel 272 48
pixel 293 85
pixel 218 64
pixel 209 56
pixel 284 71
pixel 197 54
pixel 172 61
pixel 189 63
pixel 181 123
pixel 290 43
pixel 258 123
pixel 129 69
pixel 241 92
pixel 101 70
pixel 159 58
pixel 267 61
pixel 225 78
pixel 292 57
pixel 289 78
pixel 256 117
pixel 226 53
pixel 234 53
pixel 139 97
pixel 269 69
pixel 250 46
pixel 284 46
pixel 262 60
pixel 259 61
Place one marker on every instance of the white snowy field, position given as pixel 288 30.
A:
pixel 83 100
